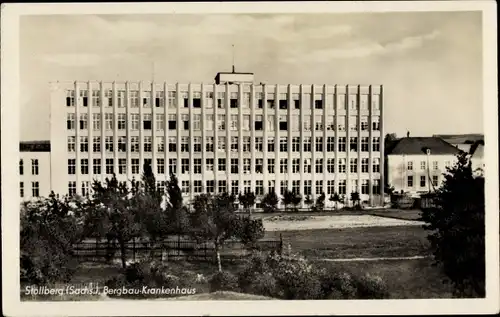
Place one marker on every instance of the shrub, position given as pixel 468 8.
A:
pixel 371 287
pixel 263 284
pixel 338 286
pixel 223 281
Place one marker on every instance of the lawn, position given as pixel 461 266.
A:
pixel 366 242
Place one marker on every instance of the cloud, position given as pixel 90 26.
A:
pixel 73 60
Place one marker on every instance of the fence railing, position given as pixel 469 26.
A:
pixel 169 250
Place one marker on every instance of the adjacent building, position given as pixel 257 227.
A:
pixel 416 164
pixel 233 135
pixel 35 169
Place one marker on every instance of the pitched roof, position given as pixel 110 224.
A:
pixel 34 146
pixel 418 145
pixel 479 152
pixel 460 138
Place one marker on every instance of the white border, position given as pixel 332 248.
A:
pixel 10 154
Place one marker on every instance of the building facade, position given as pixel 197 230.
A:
pixel 231 136
pixel 34 169
pixel 416 164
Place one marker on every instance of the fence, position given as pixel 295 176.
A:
pixel 169 250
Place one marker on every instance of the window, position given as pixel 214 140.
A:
pixel 197 122
pixel 197 144
pixel 246 144
pixel 234 123
pixel 108 121
pixel 21 189
pixel 161 186
pixel 259 144
pixel 210 186
pixel 422 165
pixel 185 98
pixel 197 165
pixel 185 166
pixel 135 166
pixel 234 187
pixel 96 121
pixel 96 144
pixel 365 186
pixel 376 165
pixel 296 187
pixel 258 123
pixel 353 144
pixel 221 165
pixel 318 101
pixel 134 120
pixel 172 122
pixel 353 165
pixel 376 124
pixel 34 166
pixel 209 143
pixel 296 144
pixel 364 144
pixel 318 123
pixel 295 165
pixel 318 166
pixel 85 188
pixel 296 100
pixel 435 180
pixel 185 121
pixel 71 144
pixel 307 123
pixel 210 122
pixel 160 144
pixel 160 121
pixel 283 186
pixel 120 98
pixel 198 187
pixel 375 103
pixel 96 101
pixel 109 166
pixel 234 143
pixel 246 186
pixel 96 166
pixel 159 99
pixel 363 102
pixel 435 165
pixel 196 99
pixel 342 186
pixel 70 99
pixel 271 186
pixel 221 122
pixel 270 122
pixel 270 166
pixel 330 144
pixel 376 144
pixel 122 166
pixel 134 144
pixel 307 166
pixel 283 144
pixel 259 165
pixel 422 181
pixel 71 166
pixel 172 99
pixel 342 165
pixel 148 144
pixel 209 165
pixel 353 125
pixel 147 122
pixel 409 180
pixel 270 100
pixel 307 187
pixel 84 166
pixel 319 187
pixel 353 102
pixel 319 144
pixel 341 123
pixel 307 144
pixel 246 165
pixel 83 121
pixel 364 165
pixel 283 103
pixel 21 167
pixel 72 188
pixel 330 165
pixel 233 101
pixel 283 123
pixel 221 143
pixel 220 97
pixel 172 166
pixel 222 186
pixel 122 118
pixel 185 187
pixel 410 166
pixel 330 187
pixel 283 165
pixel 364 123
pixel 234 166
pixel 270 144
pixel 184 144
pixel 246 100
pixel 84 95
pixel 172 144
pixel 109 144
pixel 259 188
pixel 342 144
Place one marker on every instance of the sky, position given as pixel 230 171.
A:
pixel 430 63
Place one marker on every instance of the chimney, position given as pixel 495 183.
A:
pixel 408 134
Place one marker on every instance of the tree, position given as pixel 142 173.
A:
pixel 270 202
pixel 457 229
pixel 308 201
pixel 355 199
pixel 335 198
pixel 247 199
pixel 296 199
pixel 287 198
pixel 320 202
pixel 388 189
pixel 49 228
pixel 177 213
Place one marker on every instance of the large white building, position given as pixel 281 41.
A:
pixel 35 171
pixel 232 135
pixel 416 164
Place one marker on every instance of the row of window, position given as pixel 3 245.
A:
pixel 35 189
pixel 423 180
pixel 234 165
pixel 296 123
pixel 355 102
pixel 34 167
pixel 423 165
pixel 234 187
pixel 298 143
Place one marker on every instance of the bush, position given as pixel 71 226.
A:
pixel 223 281
pixel 338 286
pixel 263 284
pixel 371 287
